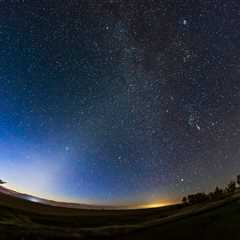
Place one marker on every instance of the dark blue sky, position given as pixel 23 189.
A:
pixel 114 102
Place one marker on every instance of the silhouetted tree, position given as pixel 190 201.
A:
pixel 218 193
pixel 231 187
pixel 238 179
pixel 197 198
pixel 2 182
pixel 184 200
pixel 211 195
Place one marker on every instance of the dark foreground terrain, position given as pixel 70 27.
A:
pixel 23 220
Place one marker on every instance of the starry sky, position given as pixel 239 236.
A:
pixel 119 102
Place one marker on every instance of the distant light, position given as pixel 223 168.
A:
pixel 32 199
pixel 153 205
pixel 185 22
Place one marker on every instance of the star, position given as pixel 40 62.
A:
pixel 67 148
pixel 119 99
pixel 185 22
pixel 198 127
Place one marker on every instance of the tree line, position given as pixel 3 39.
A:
pixel 217 194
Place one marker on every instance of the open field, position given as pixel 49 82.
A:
pixel 20 219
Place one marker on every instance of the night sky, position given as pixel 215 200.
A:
pixel 119 102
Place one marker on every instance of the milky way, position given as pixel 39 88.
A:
pixel 119 102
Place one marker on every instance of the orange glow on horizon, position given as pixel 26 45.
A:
pixel 157 204
pixel 154 204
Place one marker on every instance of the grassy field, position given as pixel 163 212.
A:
pixel 23 220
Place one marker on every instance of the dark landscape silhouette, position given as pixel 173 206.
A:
pixel 206 213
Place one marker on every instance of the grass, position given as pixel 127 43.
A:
pixel 20 219
pixel 222 222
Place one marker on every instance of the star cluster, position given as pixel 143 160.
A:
pixel 119 102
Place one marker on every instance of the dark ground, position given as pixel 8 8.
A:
pixel 24 220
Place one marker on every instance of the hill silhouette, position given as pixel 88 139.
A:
pixel 22 219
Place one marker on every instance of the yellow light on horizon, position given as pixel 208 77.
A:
pixel 32 195
pixel 155 204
